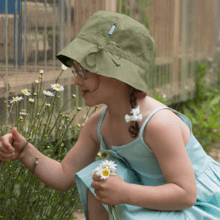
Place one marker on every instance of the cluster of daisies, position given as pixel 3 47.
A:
pixel 105 169
pixel 56 87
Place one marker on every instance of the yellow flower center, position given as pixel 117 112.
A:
pixel 25 93
pixel 105 172
pixel 15 100
pixel 58 87
pixel 107 165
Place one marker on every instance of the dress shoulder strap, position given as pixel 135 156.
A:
pixel 182 116
pixel 100 123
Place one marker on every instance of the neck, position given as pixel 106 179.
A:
pixel 116 112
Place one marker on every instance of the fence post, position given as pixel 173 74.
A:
pixel 184 51
pixel 216 51
pixel 175 86
pixel 110 5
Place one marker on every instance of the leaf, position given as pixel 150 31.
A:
pixel 18 181
pixel 4 196
pixel 22 176
pixel 194 121
pixel 215 101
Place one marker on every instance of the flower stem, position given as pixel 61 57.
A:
pixel 40 111
pixel 38 97
pixel 116 213
pixel 59 76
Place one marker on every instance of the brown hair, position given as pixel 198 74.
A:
pixel 134 94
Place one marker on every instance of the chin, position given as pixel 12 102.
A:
pixel 91 104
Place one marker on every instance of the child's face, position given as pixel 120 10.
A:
pixel 100 89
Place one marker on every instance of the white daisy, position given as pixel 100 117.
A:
pixel 31 100
pixel 105 169
pixel 25 92
pixel 41 72
pixel 105 173
pixel 96 170
pixel 64 67
pixel 108 164
pixel 57 87
pixel 48 93
pixel 16 99
pixel 36 81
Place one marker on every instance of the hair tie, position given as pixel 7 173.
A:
pixel 135 117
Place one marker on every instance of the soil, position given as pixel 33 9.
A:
pixel 79 215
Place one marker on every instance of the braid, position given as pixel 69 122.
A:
pixel 133 129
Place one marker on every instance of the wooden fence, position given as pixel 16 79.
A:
pixel 186 33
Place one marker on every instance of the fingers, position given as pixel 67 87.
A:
pixel 5 143
pixel 96 178
pixel 96 185
pixel 15 134
pixel 5 152
pixel 5 156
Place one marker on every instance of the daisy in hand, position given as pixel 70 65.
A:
pixel 105 169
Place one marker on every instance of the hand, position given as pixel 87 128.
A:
pixel 111 191
pixel 7 151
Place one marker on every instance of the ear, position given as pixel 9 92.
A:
pixel 141 95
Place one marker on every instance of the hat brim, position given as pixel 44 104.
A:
pixel 78 49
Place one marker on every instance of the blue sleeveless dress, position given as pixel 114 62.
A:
pixel 136 164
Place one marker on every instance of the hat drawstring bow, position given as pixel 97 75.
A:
pixel 97 49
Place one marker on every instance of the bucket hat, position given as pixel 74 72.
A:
pixel 113 45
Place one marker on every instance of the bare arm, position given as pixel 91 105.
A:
pixel 165 139
pixel 48 171
pixel 59 176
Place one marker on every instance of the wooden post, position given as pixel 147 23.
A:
pixel 184 51
pixel 176 47
pixel 216 53
pixel 83 9
pixel 110 5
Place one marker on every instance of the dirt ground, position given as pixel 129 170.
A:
pixel 79 215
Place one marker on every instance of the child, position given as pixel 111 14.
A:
pixel 162 170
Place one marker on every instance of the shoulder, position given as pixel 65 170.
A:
pixel 163 117
pixel 162 126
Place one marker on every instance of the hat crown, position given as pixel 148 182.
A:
pixel 134 38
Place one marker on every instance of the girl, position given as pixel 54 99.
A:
pixel 162 170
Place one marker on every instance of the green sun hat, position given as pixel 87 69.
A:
pixel 113 45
